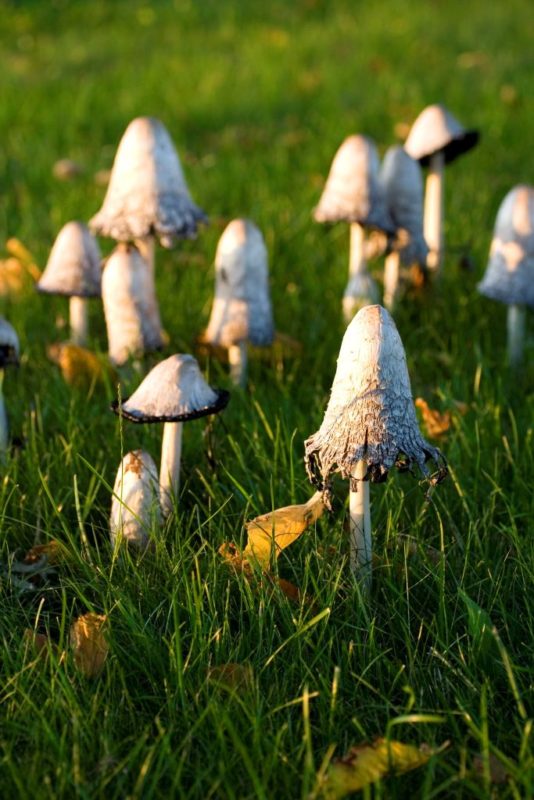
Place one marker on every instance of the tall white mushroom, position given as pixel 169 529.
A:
pixel 402 184
pixel 135 506
pixel 436 138
pixel 353 194
pixel 369 423
pixel 241 310
pixel 73 270
pixel 509 275
pixel 173 392
pixel 9 355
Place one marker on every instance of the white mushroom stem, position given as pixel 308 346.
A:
pixel 238 358
pixel 146 248
pixel 4 427
pixel 169 473
pixel 516 334
pixel 360 525
pixel 79 320
pixel 433 221
pixel 357 260
pixel 391 279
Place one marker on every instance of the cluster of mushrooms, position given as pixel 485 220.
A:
pixel 370 423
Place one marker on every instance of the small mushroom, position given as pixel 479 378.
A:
pixel 436 138
pixel 241 310
pixel 402 183
pixel 73 270
pixel 509 275
pixel 173 392
pixel 369 423
pixel 353 194
pixel 135 507
pixel 9 355
pixel 132 321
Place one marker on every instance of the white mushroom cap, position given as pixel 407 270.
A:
pixel 132 317
pixel 135 507
pixel 241 308
pixel 370 415
pixel 73 267
pixel 174 391
pixel 352 192
pixel 510 272
pixel 402 182
pixel 436 130
pixel 147 194
pixel 9 344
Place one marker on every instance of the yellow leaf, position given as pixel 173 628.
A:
pixel 20 251
pixel 233 676
pixel 80 367
pixel 436 424
pixel 364 764
pixel 234 557
pixel 89 643
pixel 283 346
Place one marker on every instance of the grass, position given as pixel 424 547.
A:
pixel 257 99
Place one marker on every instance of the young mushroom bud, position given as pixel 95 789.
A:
pixel 135 507
pixel 9 356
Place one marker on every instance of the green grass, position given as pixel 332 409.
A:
pixel 257 98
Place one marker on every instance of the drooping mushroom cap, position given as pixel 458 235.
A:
pixel 147 194
pixel 174 391
pixel 130 306
pixel 135 506
pixel 402 184
pixel 9 344
pixel 352 192
pixel 370 415
pixel 241 308
pixel 73 267
pixel 510 272
pixel 436 130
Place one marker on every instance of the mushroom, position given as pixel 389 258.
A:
pixel 402 183
pixel 509 275
pixel 436 138
pixel 9 355
pixel 73 270
pixel 369 423
pixel 241 310
pixel 147 195
pixel 132 322
pixel 353 194
pixel 173 392
pixel 135 507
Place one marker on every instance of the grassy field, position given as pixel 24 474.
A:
pixel 257 98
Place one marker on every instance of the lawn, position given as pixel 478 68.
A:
pixel 257 98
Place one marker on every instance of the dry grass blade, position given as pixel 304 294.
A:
pixel 89 643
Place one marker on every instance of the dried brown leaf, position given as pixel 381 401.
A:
pixel 89 643
pixel 39 642
pixel 80 367
pixel 53 551
pixel 436 423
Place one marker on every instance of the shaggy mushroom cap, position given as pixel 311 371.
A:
pixel 9 345
pixel 352 192
pixel 73 267
pixel 147 194
pixel 174 391
pixel 242 308
pixel 509 275
pixel 436 130
pixel 402 184
pixel 135 502
pixel 370 415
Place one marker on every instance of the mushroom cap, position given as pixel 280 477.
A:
pixel 352 192
pixel 9 344
pixel 147 194
pixel 370 415
pixel 241 308
pixel 174 391
pixel 73 267
pixel 402 183
pixel 130 305
pixel 135 505
pixel 509 275
pixel 436 130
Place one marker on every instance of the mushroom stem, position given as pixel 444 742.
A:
pixel 79 321
pixel 433 220
pixel 169 472
pixel 237 358
pixel 4 426
pixel 360 525
pixel 147 249
pixel 391 279
pixel 516 334
pixel 357 260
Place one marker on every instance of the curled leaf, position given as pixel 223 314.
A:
pixel 436 424
pixel 89 643
pixel 233 676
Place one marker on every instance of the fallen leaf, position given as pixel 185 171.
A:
pixel 66 169
pixel 234 557
pixel 498 774
pixel 53 552
pixel 436 424
pixel 16 248
pixel 12 276
pixel 39 642
pixel 102 177
pixel 80 367
pixel 401 130
pixel 283 346
pixel 89 643
pixel 233 676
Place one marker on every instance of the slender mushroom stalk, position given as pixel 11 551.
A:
pixel 79 320
pixel 238 361
pixel 171 455
pixel 361 289
pixel 434 210
pixel 360 524
pixel 391 279
pixel 147 249
pixel 516 322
